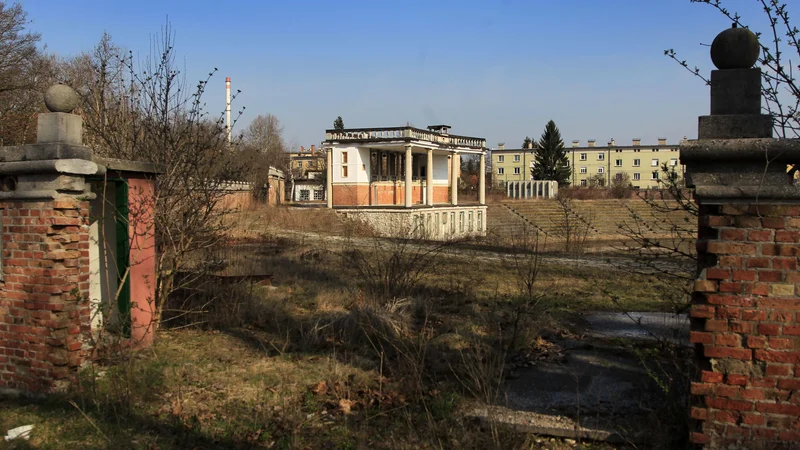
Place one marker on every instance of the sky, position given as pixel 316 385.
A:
pixel 497 69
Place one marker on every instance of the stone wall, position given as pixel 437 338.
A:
pixel 434 223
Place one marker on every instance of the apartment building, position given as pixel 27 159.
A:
pixel 596 165
pixel 307 163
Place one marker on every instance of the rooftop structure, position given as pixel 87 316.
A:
pixel 404 168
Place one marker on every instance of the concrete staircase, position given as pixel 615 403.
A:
pixel 606 220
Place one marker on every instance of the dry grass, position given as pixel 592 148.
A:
pixel 315 361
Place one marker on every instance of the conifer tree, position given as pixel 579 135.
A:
pixel 527 142
pixel 338 124
pixel 551 162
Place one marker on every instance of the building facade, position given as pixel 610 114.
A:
pixel 404 180
pixel 307 175
pixel 593 165
pixel 307 163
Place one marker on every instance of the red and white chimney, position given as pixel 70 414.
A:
pixel 228 107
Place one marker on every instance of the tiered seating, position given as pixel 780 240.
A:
pixel 605 219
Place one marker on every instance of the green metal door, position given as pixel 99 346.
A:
pixel 123 255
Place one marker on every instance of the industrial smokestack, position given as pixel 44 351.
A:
pixel 228 107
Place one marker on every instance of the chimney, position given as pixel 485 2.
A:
pixel 637 142
pixel 530 144
pixel 501 145
pixel 228 107
pixel 302 149
pixel 591 142
pixel 611 142
pixel 313 148
pixel 662 141
pixel 575 144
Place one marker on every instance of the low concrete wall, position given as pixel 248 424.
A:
pixel 532 189
pixel 434 223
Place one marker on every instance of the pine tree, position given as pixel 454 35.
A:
pixel 551 162
pixel 527 143
pixel 338 124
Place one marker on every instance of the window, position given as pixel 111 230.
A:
pixel 601 156
pixel 344 171
pixel 618 163
pixel 637 162
pixel 533 164
pixel 583 156
pixel 637 176
pixel 344 157
pixel 319 195
pixel 655 175
pixel 452 222
pixel 304 195
pixel 618 177
pixel 673 162
pixel 501 158
pixel 500 170
pixel 583 182
pixel 480 220
pixel 584 170
pixel 516 171
pixel 600 169
pixel 461 222
pixel 516 158
pixel 654 162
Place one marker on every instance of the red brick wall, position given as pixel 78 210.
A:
pixel 387 194
pixel 44 310
pixel 746 325
pixel 350 195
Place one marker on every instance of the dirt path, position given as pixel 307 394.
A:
pixel 609 260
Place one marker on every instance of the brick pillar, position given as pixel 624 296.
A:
pixel 45 327
pixel 746 308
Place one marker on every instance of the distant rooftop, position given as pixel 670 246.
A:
pixel 438 134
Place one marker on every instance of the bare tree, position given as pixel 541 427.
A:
pixel 146 111
pixel 780 88
pixel 25 73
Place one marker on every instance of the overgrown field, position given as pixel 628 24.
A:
pixel 358 343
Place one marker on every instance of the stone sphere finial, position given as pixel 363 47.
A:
pixel 61 98
pixel 735 48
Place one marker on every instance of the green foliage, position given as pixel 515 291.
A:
pixel 551 161
pixel 338 124
pixel 527 143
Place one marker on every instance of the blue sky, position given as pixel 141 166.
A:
pixel 498 69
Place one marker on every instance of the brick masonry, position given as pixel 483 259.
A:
pixel 44 313
pixel 746 326
pixel 387 194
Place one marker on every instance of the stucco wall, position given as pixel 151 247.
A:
pixel 437 223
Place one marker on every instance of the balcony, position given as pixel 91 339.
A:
pixel 404 134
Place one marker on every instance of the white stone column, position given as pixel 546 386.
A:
pixel 329 179
pixel 429 179
pixel 454 172
pixel 409 171
pixel 482 180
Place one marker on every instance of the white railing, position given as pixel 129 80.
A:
pixel 395 133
